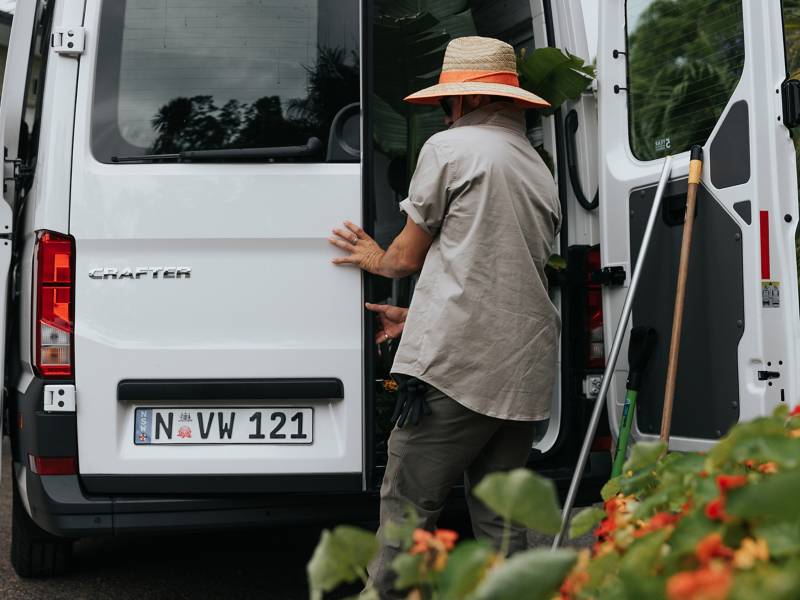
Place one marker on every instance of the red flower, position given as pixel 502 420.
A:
pixel 711 546
pixel 707 583
pixel 703 474
pixel 448 538
pixel 795 411
pixel 715 510
pixel 421 537
pixel 730 482
pixel 658 521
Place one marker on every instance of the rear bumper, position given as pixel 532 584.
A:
pixel 61 505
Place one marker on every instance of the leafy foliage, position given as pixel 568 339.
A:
pixel 340 557
pixel 685 60
pixel 523 497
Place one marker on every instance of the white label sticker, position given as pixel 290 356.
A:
pixel 662 144
pixel 770 294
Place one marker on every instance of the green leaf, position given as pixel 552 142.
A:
pixel 340 557
pixel 531 575
pixel 439 8
pixel 638 483
pixel 690 530
pixel 610 489
pixel 782 450
pixel 557 262
pixel 642 558
pixel 775 498
pixel 644 454
pixel 465 569
pixel 687 463
pixel 600 569
pixel 585 521
pixel 407 568
pixel 403 531
pixel 554 76
pixel 523 497
pixel 759 428
pixel 783 539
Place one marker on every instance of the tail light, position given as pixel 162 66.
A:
pixel 53 296
pixel 594 307
pixel 52 466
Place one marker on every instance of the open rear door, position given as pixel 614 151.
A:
pixel 12 106
pixel 671 75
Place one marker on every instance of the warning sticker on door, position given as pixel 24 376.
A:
pixel 770 294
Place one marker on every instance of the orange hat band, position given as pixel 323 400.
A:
pixel 504 77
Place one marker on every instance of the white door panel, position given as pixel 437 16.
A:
pixel 769 335
pixel 14 99
pixel 263 300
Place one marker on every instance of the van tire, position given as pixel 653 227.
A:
pixel 34 551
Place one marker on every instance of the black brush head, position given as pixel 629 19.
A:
pixel 697 153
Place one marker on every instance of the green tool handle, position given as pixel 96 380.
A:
pixel 624 432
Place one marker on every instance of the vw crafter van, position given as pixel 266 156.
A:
pixel 179 351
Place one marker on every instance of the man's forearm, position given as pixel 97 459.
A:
pixel 395 263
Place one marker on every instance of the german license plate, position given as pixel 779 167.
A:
pixel 255 425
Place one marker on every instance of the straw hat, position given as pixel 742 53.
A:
pixel 478 65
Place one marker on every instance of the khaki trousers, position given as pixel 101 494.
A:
pixel 426 461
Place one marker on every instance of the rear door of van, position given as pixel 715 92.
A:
pixel 673 75
pixel 213 336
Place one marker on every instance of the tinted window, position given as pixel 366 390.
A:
pixel 685 58
pixel 211 74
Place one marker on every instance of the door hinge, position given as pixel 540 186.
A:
pixel 606 276
pixel 21 171
pixel 68 40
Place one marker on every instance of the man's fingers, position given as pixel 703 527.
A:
pixel 356 229
pixel 347 235
pixel 344 260
pixel 378 308
pixel 341 243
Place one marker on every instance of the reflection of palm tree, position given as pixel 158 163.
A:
pixel 333 83
pixel 198 124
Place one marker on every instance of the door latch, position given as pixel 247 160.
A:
pixel 607 276
pixel 68 40
pixel 765 375
pixel 21 171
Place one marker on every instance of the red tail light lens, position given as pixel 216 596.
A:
pixel 594 306
pixel 52 466
pixel 54 294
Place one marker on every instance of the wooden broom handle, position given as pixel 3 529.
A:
pixel 695 165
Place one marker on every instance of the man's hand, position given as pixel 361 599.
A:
pixel 390 321
pixel 364 251
pixel 404 257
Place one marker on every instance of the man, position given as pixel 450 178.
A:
pixel 481 332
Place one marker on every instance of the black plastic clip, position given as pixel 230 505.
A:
pixel 616 53
pixel 607 276
pixel 21 171
pixel 618 89
pixel 765 375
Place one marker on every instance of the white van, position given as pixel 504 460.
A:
pixel 181 353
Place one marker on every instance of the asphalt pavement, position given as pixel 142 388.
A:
pixel 263 564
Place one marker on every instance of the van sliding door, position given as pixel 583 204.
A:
pixel 673 74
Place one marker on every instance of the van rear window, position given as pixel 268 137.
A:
pixel 685 58
pixel 214 74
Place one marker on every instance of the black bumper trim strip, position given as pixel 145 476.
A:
pixel 145 390
pixel 222 484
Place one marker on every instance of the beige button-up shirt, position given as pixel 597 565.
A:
pixel 481 327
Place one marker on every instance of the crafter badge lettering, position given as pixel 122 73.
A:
pixel 138 272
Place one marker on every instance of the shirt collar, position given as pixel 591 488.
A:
pixel 498 114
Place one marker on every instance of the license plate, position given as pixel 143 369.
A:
pixel 255 425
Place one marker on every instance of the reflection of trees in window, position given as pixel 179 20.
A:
pixel 685 59
pixel 196 123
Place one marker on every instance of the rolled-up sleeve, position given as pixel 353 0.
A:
pixel 429 191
